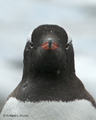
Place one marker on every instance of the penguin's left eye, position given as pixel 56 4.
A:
pixel 67 45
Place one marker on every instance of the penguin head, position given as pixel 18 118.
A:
pixel 49 50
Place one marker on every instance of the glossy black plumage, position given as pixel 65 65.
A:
pixel 50 74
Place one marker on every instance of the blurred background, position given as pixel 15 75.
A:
pixel 19 17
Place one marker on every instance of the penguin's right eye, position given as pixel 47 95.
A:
pixel 31 44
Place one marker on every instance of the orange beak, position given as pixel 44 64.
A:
pixel 49 45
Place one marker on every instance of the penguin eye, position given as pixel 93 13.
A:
pixel 31 44
pixel 67 45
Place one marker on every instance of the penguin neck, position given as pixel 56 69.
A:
pixel 49 70
pixel 63 74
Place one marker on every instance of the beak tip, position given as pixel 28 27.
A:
pixel 51 46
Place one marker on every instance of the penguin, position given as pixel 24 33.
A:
pixel 49 89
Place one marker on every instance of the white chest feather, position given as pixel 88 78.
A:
pixel 75 110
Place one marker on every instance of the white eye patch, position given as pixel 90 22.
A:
pixel 29 36
pixel 69 39
pixel 29 40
